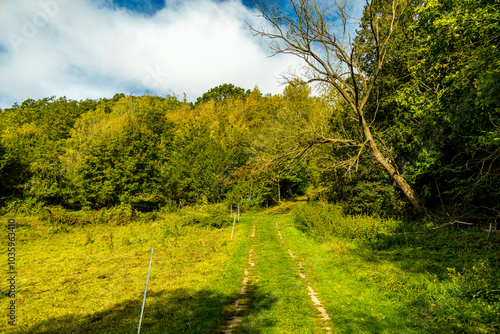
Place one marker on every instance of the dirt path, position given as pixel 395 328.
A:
pixel 238 307
pixel 250 280
pixel 317 303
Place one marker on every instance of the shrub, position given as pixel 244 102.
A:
pixel 28 206
pixel 215 221
pixel 322 220
pixel 59 216
pixel 116 215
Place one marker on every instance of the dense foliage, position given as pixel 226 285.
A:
pixel 437 103
pixel 145 151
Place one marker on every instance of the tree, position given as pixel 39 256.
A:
pixel 116 157
pixel 34 136
pixel 437 101
pixel 319 36
pixel 223 93
pixel 457 71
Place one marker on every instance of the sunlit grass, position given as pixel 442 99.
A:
pixel 92 278
pixel 438 282
pixel 278 302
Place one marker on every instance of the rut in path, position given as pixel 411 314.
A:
pixel 324 315
pixel 237 307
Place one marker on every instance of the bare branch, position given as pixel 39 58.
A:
pixel 313 34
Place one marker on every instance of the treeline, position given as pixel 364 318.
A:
pixel 434 114
pixel 144 151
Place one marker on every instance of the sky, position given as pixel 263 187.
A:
pixel 96 48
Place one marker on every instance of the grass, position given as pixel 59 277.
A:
pixel 278 300
pixel 336 274
pixel 91 278
pixel 371 275
pixel 384 281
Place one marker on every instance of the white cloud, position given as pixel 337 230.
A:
pixel 77 49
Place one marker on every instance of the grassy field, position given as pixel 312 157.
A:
pixel 91 279
pixel 371 275
pixel 383 276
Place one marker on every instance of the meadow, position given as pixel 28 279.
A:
pixel 76 274
pixel 387 276
pixel 90 278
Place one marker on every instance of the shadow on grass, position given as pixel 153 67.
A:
pixel 462 294
pixel 178 311
pixel 254 320
pixel 365 322
pixel 435 251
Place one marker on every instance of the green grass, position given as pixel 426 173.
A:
pixel 382 281
pixel 278 302
pixel 371 275
pixel 91 279
pixel 336 274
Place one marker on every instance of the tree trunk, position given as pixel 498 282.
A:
pixel 279 192
pixel 393 172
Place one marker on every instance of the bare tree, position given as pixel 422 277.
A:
pixel 319 35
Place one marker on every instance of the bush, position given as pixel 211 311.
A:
pixel 60 216
pixel 372 198
pixel 28 206
pixel 117 215
pixel 215 221
pixel 322 220
pixel 216 217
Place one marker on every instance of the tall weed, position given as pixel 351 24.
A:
pixel 28 206
pixel 323 220
pixel 117 215
pixel 467 302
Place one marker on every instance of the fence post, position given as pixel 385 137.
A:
pixel 145 291
pixel 234 221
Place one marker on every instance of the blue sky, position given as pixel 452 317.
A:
pixel 150 7
pixel 96 48
pixel 147 7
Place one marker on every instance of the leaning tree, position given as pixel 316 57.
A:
pixel 319 33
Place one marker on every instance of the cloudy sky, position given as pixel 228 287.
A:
pixel 96 48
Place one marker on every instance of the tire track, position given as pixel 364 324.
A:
pixel 238 307
pixel 312 294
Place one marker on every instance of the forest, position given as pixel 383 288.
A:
pixel 429 100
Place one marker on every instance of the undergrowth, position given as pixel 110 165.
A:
pixel 322 221
pixel 61 218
